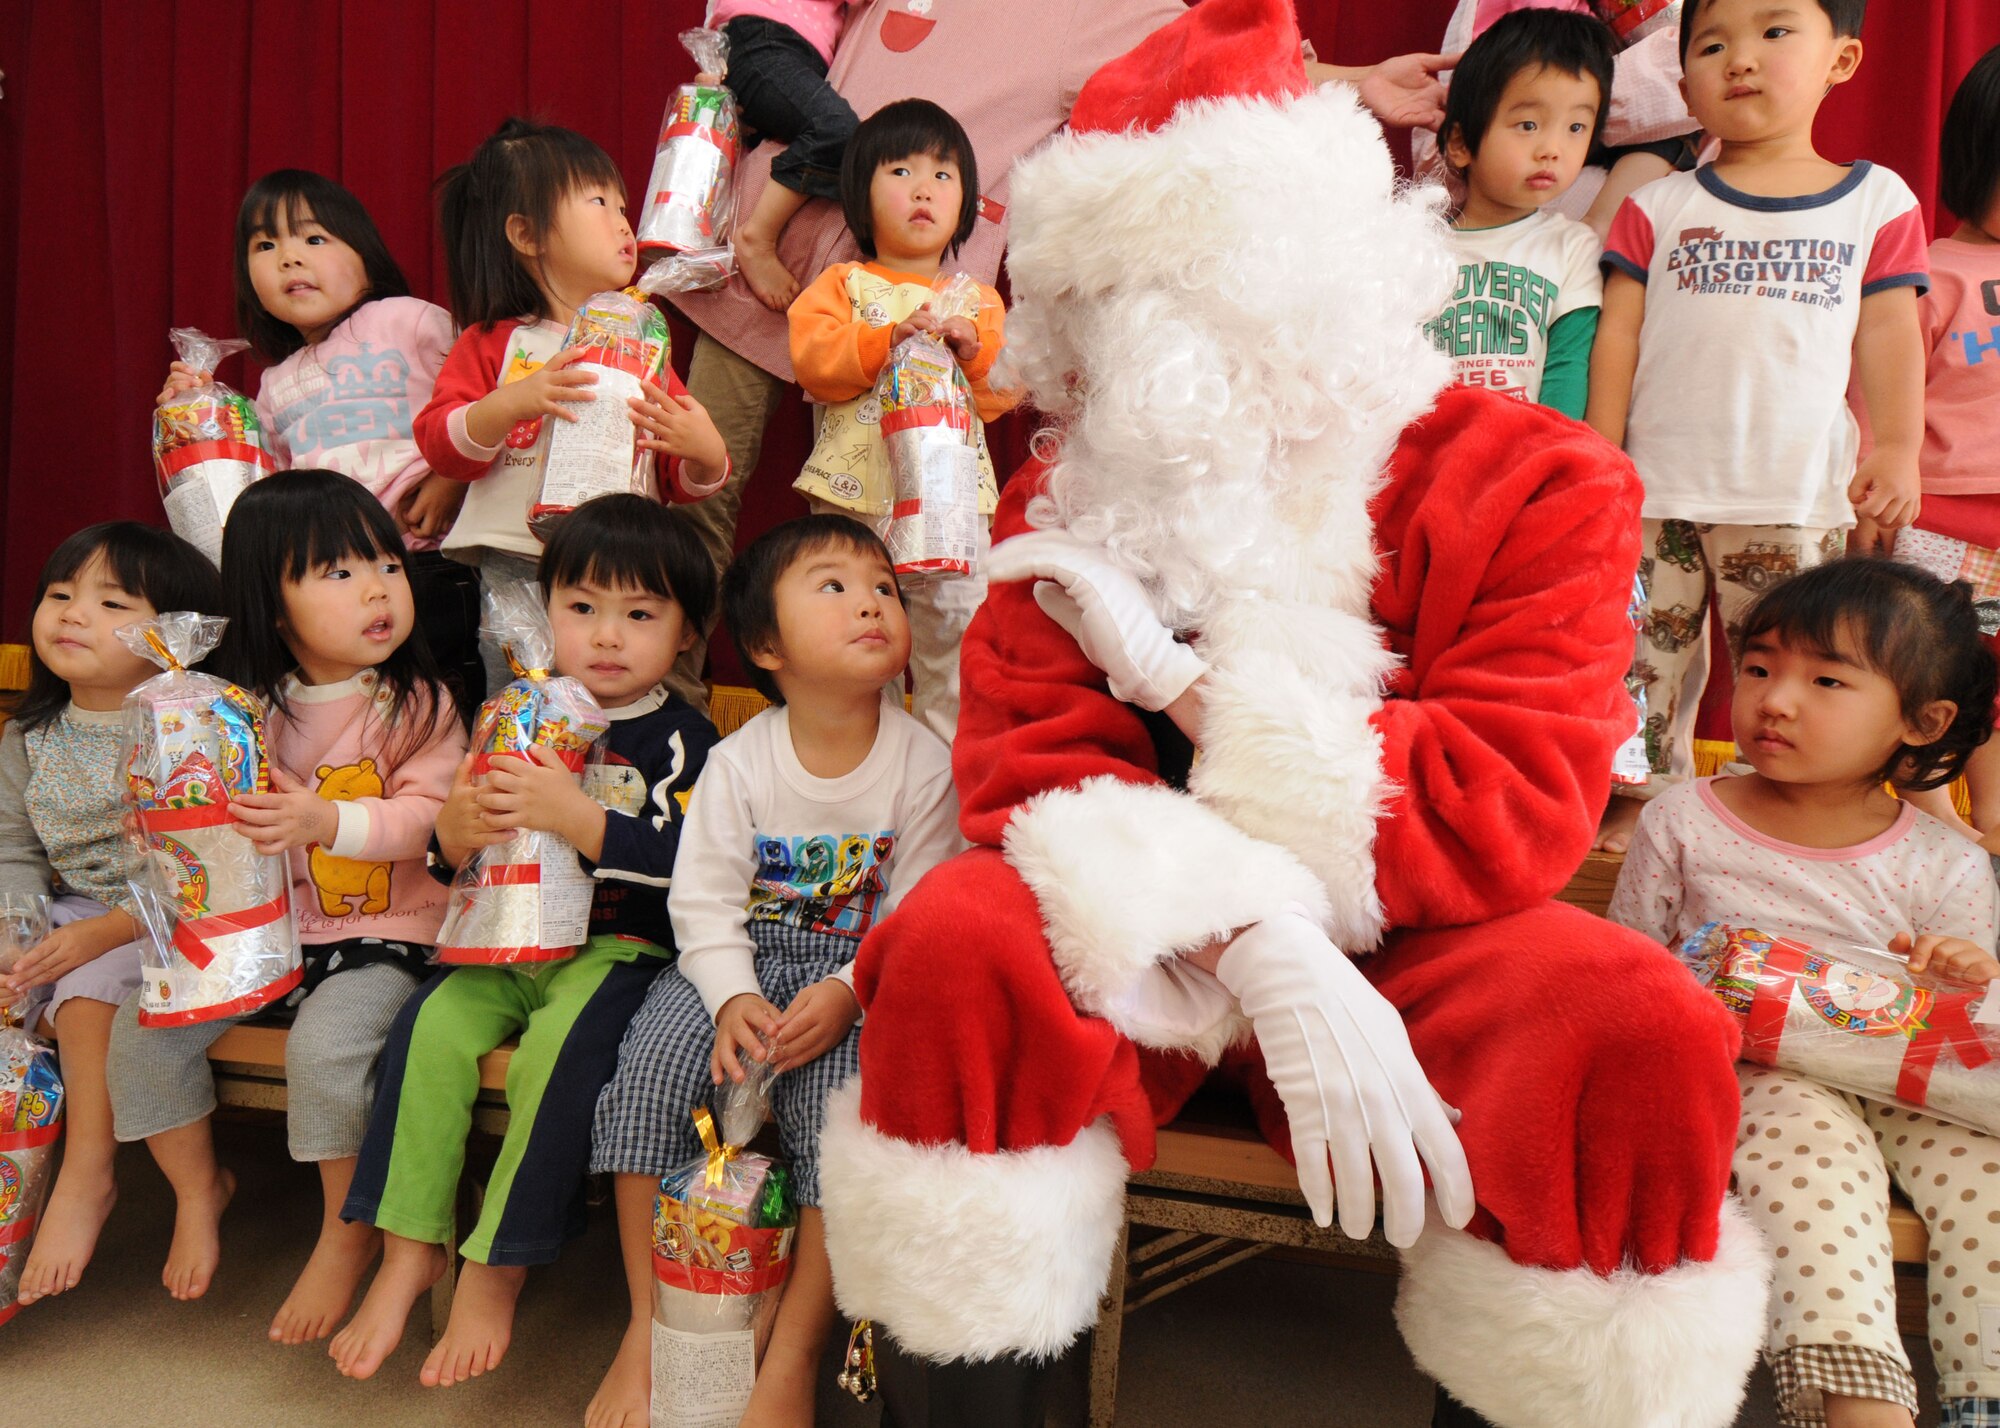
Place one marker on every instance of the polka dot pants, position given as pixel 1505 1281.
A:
pixel 1814 1167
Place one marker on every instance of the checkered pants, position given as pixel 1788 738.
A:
pixel 645 1117
pixel 1970 1413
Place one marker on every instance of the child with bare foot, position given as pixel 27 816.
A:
pixel 628 583
pixel 779 51
pixel 813 819
pixel 61 813
pixel 362 740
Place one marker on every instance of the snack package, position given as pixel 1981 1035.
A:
pixel 624 341
pixel 31 1107
pixel 722 1246
pixel 691 196
pixel 1858 1019
pixel 1633 20
pixel 527 899
pixel 218 913
pixel 207 446
pixel 928 432
pixel 1630 767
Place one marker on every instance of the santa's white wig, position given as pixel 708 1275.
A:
pixel 1223 320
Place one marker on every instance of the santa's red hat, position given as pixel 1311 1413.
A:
pixel 1218 49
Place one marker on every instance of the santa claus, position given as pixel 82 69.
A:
pixel 1292 705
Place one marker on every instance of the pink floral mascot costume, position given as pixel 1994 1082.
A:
pixel 1290 709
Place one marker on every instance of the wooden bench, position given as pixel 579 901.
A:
pixel 1218 1195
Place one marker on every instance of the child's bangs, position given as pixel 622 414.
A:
pixel 284 210
pixel 339 532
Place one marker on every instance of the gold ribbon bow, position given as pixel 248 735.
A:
pixel 159 647
pixel 520 670
pixel 719 1154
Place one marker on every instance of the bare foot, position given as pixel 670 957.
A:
pixel 377 1326
pixel 481 1326
pixel 625 1398
pixel 1614 830
pixel 784 1394
pixel 326 1285
pixel 197 1244
pixel 769 279
pixel 68 1235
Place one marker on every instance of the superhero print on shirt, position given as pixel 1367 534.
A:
pixel 821 882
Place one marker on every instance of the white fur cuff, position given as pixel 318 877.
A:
pixel 968 1256
pixel 1131 875
pixel 1540 1348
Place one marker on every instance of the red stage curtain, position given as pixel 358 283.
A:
pixel 129 132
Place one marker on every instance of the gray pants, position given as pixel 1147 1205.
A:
pixel 160 1080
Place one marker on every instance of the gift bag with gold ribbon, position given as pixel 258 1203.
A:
pixel 722 1246
pixel 207 446
pixel 526 899
pixel 221 940
pixel 1858 1019
pixel 929 431
pixel 623 341
pixel 31 1108
pixel 691 195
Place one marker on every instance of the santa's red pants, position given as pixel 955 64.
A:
pixel 973 1186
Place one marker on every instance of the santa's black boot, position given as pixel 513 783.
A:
pixel 1450 1413
pixel 999 1393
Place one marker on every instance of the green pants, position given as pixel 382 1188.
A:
pixel 570 1017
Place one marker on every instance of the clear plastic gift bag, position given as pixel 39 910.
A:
pixel 1858 1019
pixel 624 342
pixel 1630 766
pixel 722 1246
pixel 31 1108
pixel 1633 20
pixel 691 196
pixel 526 899
pixel 207 446
pixel 218 914
pixel 929 433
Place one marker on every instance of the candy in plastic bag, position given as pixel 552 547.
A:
pixel 526 899
pixel 218 913
pixel 928 432
pixel 207 446
pixel 1858 1019
pixel 722 1246
pixel 31 1107
pixel 691 196
pixel 1631 766
pixel 1633 20
pixel 624 343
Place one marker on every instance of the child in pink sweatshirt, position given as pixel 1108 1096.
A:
pixel 363 743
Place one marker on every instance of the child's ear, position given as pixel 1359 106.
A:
pixel 521 236
pixel 768 657
pixel 1846 60
pixel 689 634
pixel 1931 723
pixel 1456 153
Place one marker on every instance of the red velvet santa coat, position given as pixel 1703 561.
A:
pixel 1595 1077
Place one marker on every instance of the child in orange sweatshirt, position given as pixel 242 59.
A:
pixel 911 191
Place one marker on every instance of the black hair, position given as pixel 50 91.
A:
pixel 1969 153
pixel 1578 45
pixel 628 542
pixel 1846 16
pixel 522 167
pixel 282 529
pixel 750 585
pixel 898 131
pixel 162 568
pixel 287 197
pixel 1916 631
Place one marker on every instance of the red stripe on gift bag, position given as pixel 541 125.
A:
pixel 194 453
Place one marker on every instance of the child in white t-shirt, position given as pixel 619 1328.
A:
pixel 1738 298
pixel 809 824
pixel 1526 105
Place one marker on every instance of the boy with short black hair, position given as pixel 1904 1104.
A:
pixel 809 825
pixel 1527 104
pixel 1739 298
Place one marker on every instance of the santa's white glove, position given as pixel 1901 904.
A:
pixel 1341 1061
pixel 1106 610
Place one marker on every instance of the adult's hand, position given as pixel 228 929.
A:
pixel 1106 609
pixel 1405 92
pixel 1353 1091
